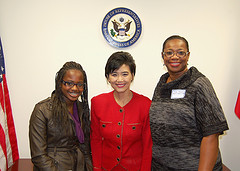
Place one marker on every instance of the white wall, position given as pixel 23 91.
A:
pixel 38 37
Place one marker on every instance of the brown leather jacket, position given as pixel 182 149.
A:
pixel 54 150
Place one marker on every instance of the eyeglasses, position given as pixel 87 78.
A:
pixel 71 84
pixel 179 54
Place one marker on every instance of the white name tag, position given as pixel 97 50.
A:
pixel 178 94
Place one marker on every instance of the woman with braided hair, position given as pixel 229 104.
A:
pixel 59 125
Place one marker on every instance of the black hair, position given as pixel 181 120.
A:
pixel 175 37
pixel 117 59
pixel 60 110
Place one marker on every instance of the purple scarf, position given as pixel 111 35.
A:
pixel 75 117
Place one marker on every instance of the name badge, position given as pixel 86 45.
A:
pixel 178 94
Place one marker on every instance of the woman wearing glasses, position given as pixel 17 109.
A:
pixel 120 130
pixel 59 126
pixel 186 117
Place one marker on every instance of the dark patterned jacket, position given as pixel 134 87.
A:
pixel 182 113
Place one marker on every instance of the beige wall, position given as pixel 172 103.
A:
pixel 39 36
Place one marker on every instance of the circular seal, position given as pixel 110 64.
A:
pixel 121 27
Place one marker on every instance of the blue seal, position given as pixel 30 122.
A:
pixel 121 27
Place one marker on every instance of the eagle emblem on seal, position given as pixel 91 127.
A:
pixel 121 27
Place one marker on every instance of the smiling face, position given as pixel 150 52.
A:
pixel 174 64
pixel 71 94
pixel 120 79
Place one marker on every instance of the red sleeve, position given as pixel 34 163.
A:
pixel 96 140
pixel 147 143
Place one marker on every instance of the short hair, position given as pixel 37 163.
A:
pixel 175 37
pixel 116 60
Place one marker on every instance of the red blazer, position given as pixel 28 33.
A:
pixel 121 136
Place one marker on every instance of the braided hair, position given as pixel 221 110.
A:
pixel 60 111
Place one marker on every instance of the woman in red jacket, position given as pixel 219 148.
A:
pixel 120 131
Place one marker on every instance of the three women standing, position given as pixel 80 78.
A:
pixel 186 119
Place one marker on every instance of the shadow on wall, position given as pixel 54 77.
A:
pixel 225 168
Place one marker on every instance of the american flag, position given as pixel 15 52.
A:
pixel 8 141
